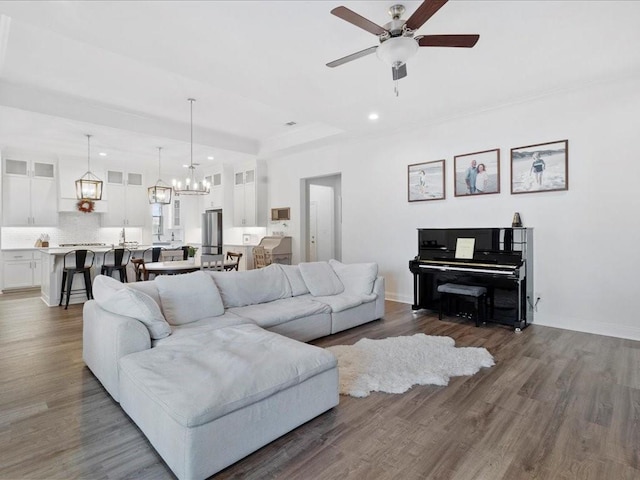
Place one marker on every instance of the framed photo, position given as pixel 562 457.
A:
pixel 540 168
pixel 426 181
pixel 477 173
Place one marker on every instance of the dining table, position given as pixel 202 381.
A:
pixel 176 267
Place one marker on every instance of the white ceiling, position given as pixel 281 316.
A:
pixel 123 71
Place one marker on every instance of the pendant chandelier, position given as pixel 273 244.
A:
pixel 191 186
pixel 89 187
pixel 160 192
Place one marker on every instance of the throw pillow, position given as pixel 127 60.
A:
pixel 117 298
pixel 320 279
pixel 356 277
pixel 188 298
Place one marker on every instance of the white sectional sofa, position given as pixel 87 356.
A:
pixel 212 366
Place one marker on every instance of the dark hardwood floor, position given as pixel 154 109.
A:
pixel 557 405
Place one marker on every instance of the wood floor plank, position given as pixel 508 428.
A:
pixel 557 405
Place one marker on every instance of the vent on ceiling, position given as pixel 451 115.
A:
pixel 290 124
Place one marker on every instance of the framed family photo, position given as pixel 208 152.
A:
pixel 540 168
pixel 426 181
pixel 477 173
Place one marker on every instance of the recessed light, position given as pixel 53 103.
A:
pixel 373 116
pixel 210 157
pixel 102 154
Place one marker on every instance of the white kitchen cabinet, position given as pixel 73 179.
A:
pixel 175 212
pixel 29 193
pixel 215 198
pixel 21 269
pixel 250 196
pixel 128 205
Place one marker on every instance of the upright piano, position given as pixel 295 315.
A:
pixel 501 260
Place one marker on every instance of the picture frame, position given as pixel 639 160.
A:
pixel 543 167
pixel 425 181
pixel 477 173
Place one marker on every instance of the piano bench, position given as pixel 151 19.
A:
pixel 455 290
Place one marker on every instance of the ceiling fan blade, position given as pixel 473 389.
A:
pixel 358 20
pixel 353 56
pixel 399 72
pixel 465 41
pixel 424 13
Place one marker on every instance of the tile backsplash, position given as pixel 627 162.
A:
pixel 73 227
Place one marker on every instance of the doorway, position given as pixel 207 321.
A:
pixel 322 228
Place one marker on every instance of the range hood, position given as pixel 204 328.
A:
pixel 71 205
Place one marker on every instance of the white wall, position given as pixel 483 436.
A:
pixel 587 239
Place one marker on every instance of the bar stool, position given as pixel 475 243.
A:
pixel 476 293
pixel 116 260
pixel 76 261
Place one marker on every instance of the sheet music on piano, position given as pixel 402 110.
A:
pixel 464 248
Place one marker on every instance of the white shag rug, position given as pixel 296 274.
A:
pixel 395 364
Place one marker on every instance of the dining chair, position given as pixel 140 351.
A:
pixel 209 261
pixel 234 257
pixel 150 255
pixel 259 257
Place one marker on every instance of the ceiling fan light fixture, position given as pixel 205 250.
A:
pixel 396 51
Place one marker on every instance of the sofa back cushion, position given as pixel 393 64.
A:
pixel 321 279
pixel 189 297
pixel 251 287
pixel 298 287
pixel 356 277
pixel 116 297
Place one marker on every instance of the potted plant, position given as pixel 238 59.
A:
pixel 192 253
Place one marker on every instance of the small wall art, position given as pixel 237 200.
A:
pixel 477 173
pixel 540 168
pixel 426 181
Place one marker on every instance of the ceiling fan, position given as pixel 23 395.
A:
pixel 397 40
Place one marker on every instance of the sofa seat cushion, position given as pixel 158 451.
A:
pixel 280 311
pixel 228 369
pixel 203 325
pixel 344 301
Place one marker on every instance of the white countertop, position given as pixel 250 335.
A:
pixel 96 249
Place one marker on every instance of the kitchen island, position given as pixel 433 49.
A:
pixel 53 262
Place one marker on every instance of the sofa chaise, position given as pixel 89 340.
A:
pixel 212 365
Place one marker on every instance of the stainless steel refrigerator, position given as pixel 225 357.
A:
pixel 212 232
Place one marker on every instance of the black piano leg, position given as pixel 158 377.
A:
pixel 415 305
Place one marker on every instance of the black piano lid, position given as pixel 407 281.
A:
pixel 492 245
